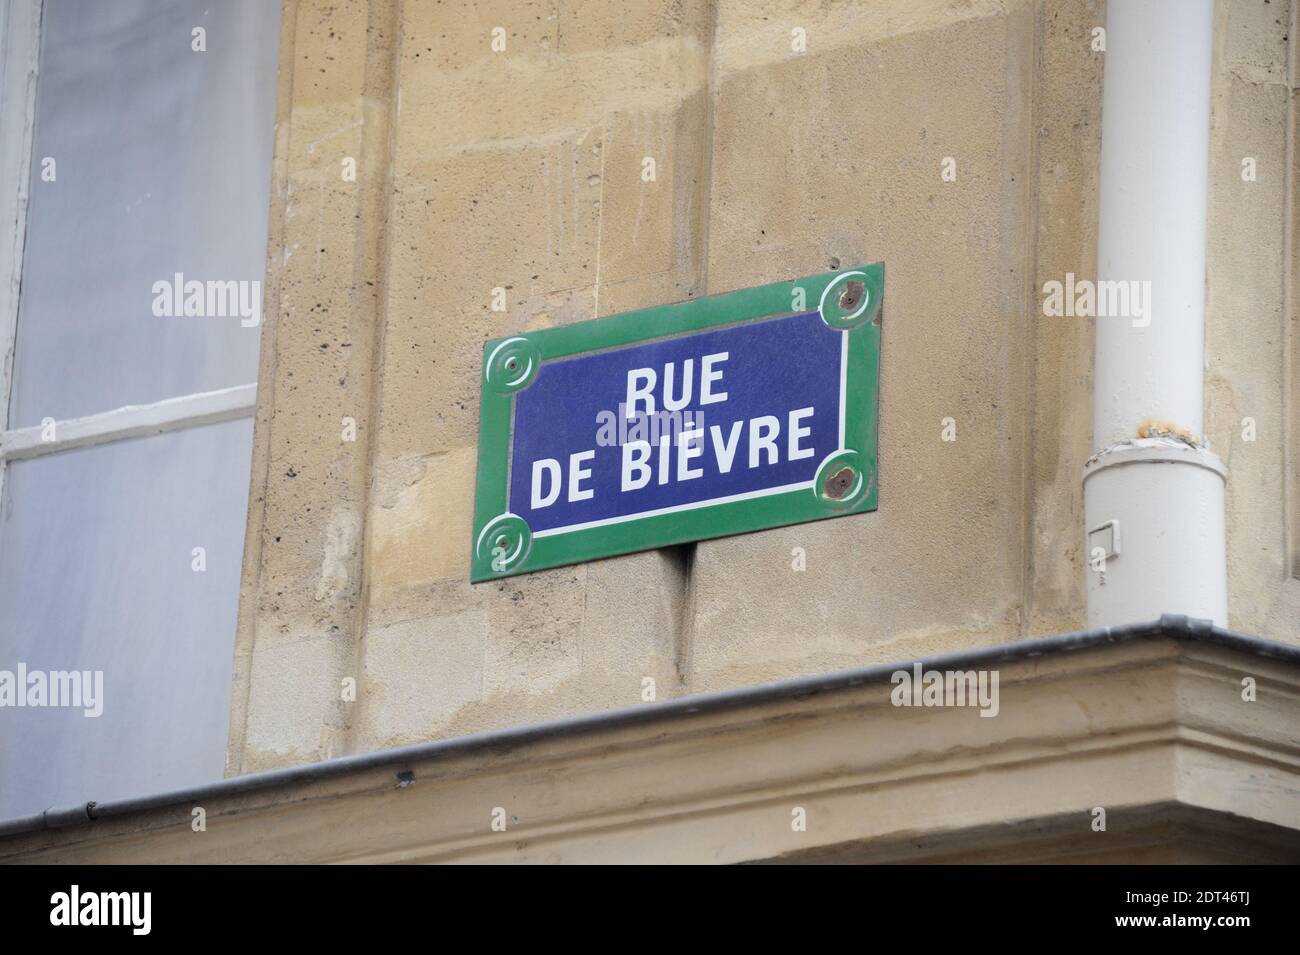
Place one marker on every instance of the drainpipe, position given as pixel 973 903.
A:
pixel 1153 493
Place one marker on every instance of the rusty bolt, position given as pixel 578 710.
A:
pixel 512 363
pixel 839 483
pixel 852 296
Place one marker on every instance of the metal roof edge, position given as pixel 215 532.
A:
pixel 1169 625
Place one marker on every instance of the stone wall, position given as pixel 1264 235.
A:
pixel 522 169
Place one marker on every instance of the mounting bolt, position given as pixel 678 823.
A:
pixel 852 296
pixel 839 483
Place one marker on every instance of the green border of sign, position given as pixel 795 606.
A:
pixel 510 364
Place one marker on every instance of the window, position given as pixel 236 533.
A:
pixel 136 167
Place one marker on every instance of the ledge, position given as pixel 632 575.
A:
pixel 1145 721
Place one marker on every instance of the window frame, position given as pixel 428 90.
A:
pixel 20 32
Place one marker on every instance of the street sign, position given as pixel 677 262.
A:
pixel 717 416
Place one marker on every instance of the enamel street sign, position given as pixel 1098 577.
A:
pixel 717 416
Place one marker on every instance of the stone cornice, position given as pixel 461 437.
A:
pixel 1148 723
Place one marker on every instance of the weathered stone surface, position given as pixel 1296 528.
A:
pixel 523 170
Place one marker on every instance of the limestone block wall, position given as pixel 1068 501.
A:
pixel 429 153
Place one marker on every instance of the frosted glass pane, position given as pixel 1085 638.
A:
pixel 96 574
pixel 162 164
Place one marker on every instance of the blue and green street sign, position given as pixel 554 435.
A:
pixel 722 415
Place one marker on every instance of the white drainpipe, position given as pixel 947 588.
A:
pixel 1153 494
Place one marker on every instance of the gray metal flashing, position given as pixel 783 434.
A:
pixel 1176 626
